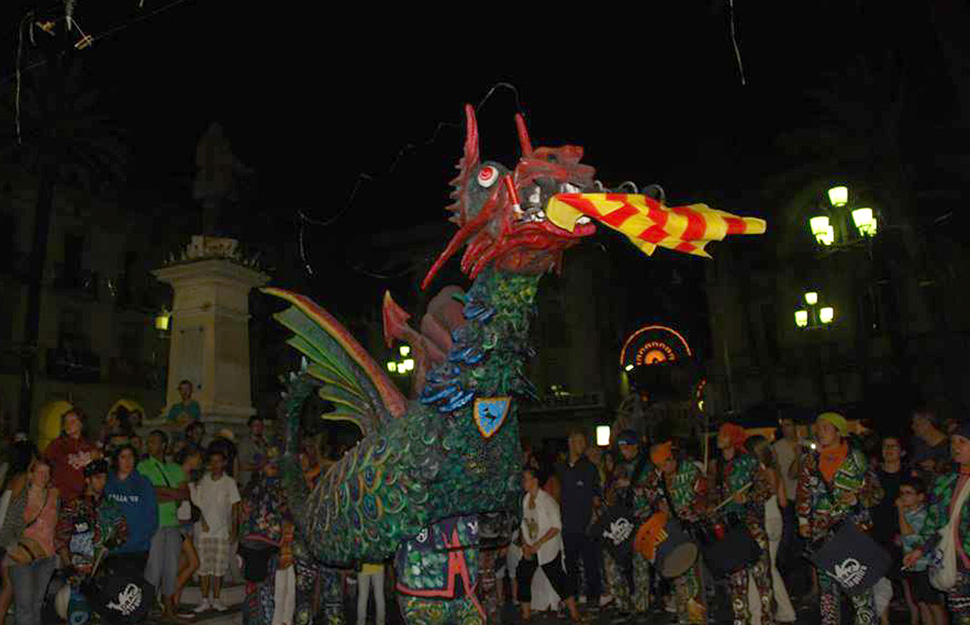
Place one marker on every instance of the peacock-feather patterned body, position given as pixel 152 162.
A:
pixel 433 462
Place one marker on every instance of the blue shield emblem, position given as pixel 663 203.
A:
pixel 490 413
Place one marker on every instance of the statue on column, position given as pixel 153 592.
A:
pixel 218 179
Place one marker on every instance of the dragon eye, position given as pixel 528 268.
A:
pixel 487 176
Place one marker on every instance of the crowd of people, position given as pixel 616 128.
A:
pixel 764 512
pixel 185 505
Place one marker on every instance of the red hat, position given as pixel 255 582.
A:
pixel 734 433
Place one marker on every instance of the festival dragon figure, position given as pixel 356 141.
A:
pixel 413 488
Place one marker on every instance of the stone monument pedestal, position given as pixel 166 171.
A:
pixel 210 329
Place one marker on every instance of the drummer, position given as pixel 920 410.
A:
pixel 834 486
pixel 740 481
pixel 681 483
pixel 631 588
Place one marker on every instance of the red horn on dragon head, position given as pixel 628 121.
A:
pixel 524 140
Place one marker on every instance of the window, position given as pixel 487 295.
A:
pixel 70 331
pixel 8 242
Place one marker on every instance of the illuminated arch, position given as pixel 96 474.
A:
pixel 653 344
pixel 49 426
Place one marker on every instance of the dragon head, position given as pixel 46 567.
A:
pixel 522 220
pixel 501 213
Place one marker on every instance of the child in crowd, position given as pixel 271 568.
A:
pixel 911 505
pixel 217 496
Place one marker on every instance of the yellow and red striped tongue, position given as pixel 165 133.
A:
pixel 648 223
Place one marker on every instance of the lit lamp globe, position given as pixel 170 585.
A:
pixel 603 435
pixel 826 315
pixel 865 221
pixel 801 318
pixel 811 298
pixel 162 321
pixel 839 196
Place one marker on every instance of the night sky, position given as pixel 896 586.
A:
pixel 313 95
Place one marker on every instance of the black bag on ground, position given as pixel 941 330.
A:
pixel 852 558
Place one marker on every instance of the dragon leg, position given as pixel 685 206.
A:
pixel 437 574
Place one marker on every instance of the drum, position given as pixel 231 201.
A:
pixel 852 558
pixel 664 542
pixel 728 548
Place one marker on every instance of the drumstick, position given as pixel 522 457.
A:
pixel 732 495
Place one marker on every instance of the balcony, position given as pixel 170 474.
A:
pixel 128 372
pixel 565 403
pixel 81 283
pixel 70 365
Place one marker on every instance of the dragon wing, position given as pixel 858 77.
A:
pixel 348 376
pixel 434 339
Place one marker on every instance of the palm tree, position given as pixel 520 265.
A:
pixel 65 141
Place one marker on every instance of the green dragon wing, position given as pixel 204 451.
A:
pixel 348 376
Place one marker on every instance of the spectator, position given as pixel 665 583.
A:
pixel 912 512
pixel 195 437
pixel 310 463
pixel 252 450
pixel 218 497
pixel 171 489
pixel 225 442
pixel 580 492
pixel 32 556
pixel 760 448
pixel 885 517
pixel 541 532
pixel 68 454
pixel 187 410
pixel 189 460
pixel 931 449
pixel 22 457
pixel 135 497
pixel 947 491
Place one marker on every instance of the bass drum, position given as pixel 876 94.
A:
pixel 664 542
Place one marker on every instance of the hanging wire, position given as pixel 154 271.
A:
pixel 734 41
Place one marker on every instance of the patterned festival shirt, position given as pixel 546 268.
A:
pixel 88 525
pixel 730 476
pixel 687 489
pixel 854 489
pixel 942 494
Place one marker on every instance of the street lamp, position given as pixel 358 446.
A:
pixel 839 196
pixel 629 367
pixel 812 317
pixel 865 221
pixel 162 321
pixel 863 217
pixel 603 435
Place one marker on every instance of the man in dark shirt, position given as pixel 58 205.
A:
pixel 931 447
pixel 580 482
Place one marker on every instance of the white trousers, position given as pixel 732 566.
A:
pixel 366 581
pixel 785 612
pixel 284 599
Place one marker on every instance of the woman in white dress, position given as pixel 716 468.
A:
pixel 760 447
pixel 541 534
